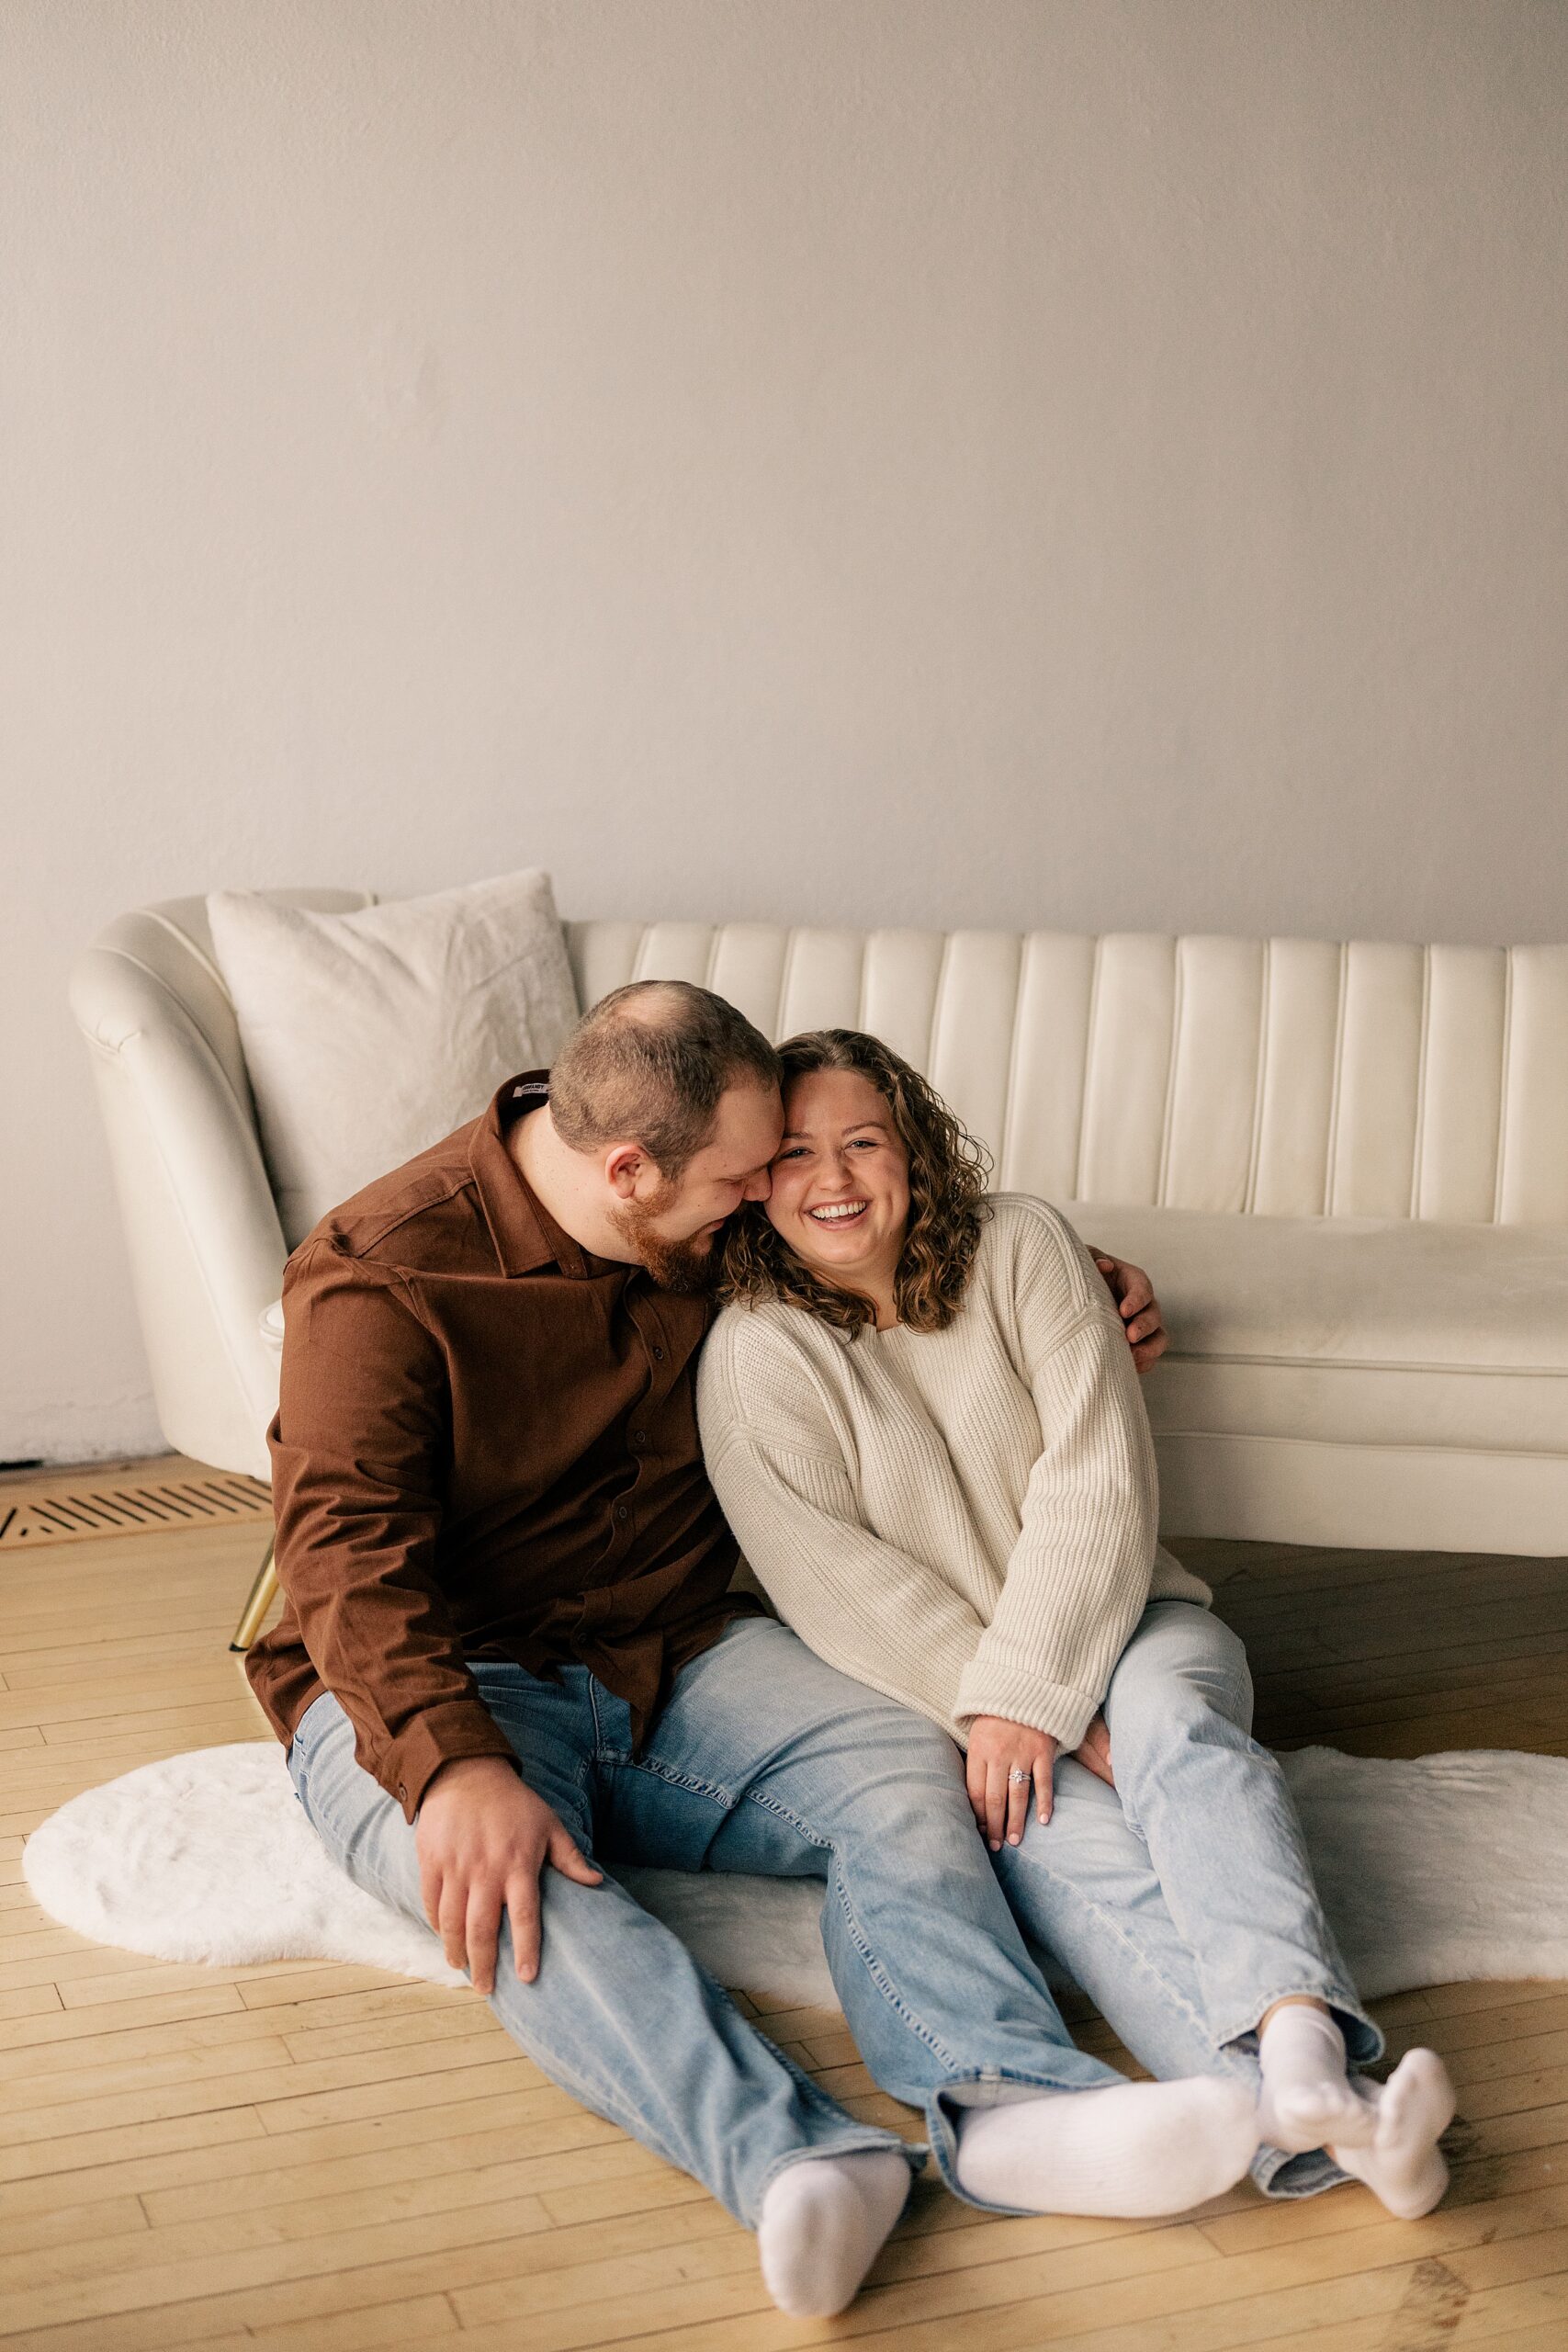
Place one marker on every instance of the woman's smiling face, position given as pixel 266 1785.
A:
pixel 840 1182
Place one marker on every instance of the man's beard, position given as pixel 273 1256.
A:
pixel 690 1268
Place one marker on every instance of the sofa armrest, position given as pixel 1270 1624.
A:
pixel 206 1250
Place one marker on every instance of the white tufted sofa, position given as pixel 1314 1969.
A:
pixel 1346 1166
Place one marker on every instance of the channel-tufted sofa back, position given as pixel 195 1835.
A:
pixel 1282 1076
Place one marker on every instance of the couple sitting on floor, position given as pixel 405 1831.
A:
pixel 511 1462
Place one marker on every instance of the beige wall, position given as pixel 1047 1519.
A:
pixel 1082 462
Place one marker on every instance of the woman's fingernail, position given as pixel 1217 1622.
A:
pixel 1014 1838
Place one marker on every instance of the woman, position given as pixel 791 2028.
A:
pixel 920 1414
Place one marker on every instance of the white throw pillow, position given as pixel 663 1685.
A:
pixel 368 1037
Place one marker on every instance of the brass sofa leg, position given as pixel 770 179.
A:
pixel 256 1606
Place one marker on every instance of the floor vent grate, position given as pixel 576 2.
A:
pixel 71 1514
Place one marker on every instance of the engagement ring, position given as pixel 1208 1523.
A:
pixel 1015 1774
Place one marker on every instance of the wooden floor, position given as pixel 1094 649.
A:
pixel 324 2156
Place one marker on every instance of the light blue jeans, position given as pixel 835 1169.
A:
pixel 766 1759
pixel 1182 1900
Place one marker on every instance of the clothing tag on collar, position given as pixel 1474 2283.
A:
pixel 534 1086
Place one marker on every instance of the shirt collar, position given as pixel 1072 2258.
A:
pixel 525 1233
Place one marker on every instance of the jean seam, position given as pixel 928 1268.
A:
pixel 815 2095
pixel 561 2071
pixel 674 1780
pixel 584 1774
pixel 873 1967
pixel 635 2120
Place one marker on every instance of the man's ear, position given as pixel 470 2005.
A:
pixel 623 1167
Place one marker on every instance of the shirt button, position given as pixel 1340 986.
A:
pixel 622 1513
pixel 639 1437
pixel 402 1793
pixel 658 1355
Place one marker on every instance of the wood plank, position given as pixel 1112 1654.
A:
pixel 317 2298
pixel 239 2172
pixel 65 2224
pixel 82 2150
pixel 63 2024
pixel 427 2319
pixel 402 2256
pixel 57 2087
pixel 390 2075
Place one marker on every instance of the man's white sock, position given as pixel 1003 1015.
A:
pixel 824 2221
pixel 1400 2162
pixel 1130 2149
pixel 1306 2098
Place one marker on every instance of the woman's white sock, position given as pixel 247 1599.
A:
pixel 823 2224
pixel 1130 2149
pixel 1401 2161
pixel 1306 2098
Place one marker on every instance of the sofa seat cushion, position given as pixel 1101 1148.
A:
pixel 1354 1330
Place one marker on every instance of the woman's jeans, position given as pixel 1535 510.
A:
pixel 762 1759
pixel 1182 1900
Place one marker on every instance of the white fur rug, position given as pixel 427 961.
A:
pixel 1447 1868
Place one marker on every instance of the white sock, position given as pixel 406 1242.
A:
pixel 823 2224
pixel 1306 2099
pixel 1130 2149
pixel 1402 2163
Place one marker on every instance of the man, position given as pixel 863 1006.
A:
pixel 510 1644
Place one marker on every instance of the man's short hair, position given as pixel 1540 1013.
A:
pixel 649 1064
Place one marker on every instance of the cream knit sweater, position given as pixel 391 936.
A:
pixel 964 1520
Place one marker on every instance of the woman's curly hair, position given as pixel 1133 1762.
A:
pixel 947 1173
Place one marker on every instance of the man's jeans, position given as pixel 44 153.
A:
pixel 763 1759
pixel 1182 1900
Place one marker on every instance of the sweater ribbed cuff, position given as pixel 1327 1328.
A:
pixel 1059 1710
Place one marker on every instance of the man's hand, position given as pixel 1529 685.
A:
pixel 1138 1307
pixel 1001 1805
pixel 483 1837
pixel 1094 1752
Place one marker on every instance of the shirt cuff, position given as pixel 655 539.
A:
pixel 1058 1708
pixel 456 1727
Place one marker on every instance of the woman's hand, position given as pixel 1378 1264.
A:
pixel 999 1749
pixel 1094 1752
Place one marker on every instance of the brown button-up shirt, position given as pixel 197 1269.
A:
pixel 485 1446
